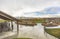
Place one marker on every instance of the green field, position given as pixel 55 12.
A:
pixel 22 38
pixel 55 32
pixel 39 21
pixel 2 20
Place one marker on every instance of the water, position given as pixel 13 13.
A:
pixel 36 32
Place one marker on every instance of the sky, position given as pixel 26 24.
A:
pixel 20 7
pixel 47 12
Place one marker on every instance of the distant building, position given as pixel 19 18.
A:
pixel 51 22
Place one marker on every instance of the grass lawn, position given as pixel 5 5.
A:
pixel 40 21
pixel 22 38
pixel 3 21
pixel 55 32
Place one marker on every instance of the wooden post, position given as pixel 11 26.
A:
pixel 45 32
pixel 17 28
pixel 12 25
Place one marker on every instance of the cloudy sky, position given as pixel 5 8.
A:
pixel 19 7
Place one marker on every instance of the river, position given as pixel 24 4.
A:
pixel 36 32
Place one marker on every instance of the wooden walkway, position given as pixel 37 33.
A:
pixel 7 17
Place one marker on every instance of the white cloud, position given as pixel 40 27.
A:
pixel 43 16
pixel 19 7
pixel 37 5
